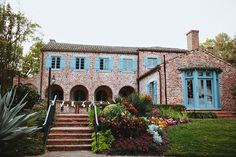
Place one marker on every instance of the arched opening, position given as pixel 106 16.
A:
pixel 126 91
pixel 103 93
pixel 55 90
pixel 79 93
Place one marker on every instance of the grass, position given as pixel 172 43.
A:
pixel 203 137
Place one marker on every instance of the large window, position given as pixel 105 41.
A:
pixel 201 89
pixel 56 62
pixel 79 65
pixel 103 64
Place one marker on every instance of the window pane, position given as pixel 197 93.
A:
pixel 152 62
pixel 200 73
pixel 77 63
pixel 209 91
pixel 190 91
pixel 82 63
pixel 106 64
pixel 58 63
pixel 208 73
pixel 189 73
pixel 201 91
pixel 53 62
pixel 101 64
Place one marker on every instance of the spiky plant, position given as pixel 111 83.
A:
pixel 10 122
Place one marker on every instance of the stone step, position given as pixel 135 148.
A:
pixel 69 136
pixel 72 115
pixel 68 147
pixel 71 124
pixel 70 130
pixel 72 119
pixel 69 141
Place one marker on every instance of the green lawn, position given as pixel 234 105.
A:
pixel 203 137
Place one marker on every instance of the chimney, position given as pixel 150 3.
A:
pixel 193 40
pixel 52 40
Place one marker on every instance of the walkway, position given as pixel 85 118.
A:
pixel 76 154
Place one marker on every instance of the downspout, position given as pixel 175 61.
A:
pixel 138 74
pixel 160 84
pixel 165 78
pixel 41 75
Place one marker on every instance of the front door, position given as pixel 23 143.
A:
pixel 201 90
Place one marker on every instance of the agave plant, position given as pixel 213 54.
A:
pixel 10 122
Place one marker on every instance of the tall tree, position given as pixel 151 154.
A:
pixel 15 29
pixel 223 47
pixel 31 61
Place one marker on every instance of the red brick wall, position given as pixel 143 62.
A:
pixel 174 81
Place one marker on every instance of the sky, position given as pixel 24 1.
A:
pixel 129 22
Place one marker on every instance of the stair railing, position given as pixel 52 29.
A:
pixel 95 123
pixel 49 119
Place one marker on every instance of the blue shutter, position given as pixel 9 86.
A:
pixel 148 88
pixel 154 92
pixel 158 61
pixel 121 64
pixel 87 63
pixel 48 62
pixel 134 65
pixel 96 64
pixel 110 64
pixel 72 63
pixel 145 62
pixel 62 62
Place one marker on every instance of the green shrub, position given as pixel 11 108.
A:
pixel 142 103
pixel 32 97
pixel 176 107
pixel 114 111
pixel 202 115
pixel 91 115
pixel 170 112
pixel 105 140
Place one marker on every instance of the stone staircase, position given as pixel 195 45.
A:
pixel 70 132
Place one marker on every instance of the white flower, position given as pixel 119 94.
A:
pixel 157 138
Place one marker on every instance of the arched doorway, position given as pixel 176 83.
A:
pixel 103 93
pixel 55 90
pixel 126 91
pixel 79 93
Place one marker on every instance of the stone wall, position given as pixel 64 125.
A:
pixel 91 79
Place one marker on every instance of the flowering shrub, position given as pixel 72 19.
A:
pixel 133 145
pixel 155 111
pixel 126 126
pixel 142 103
pixel 153 129
pixel 158 121
pixel 130 107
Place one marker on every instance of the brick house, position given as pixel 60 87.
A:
pixel 192 77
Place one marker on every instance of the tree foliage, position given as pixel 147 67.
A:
pixel 15 29
pixel 31 61
pixel 223 47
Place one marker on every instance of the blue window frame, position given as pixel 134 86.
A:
pixel 79 63
pixel 151 62
pixel 55 62
pixel 127 65
pixel 201 89
pixel 103 64
pixel 152 91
